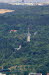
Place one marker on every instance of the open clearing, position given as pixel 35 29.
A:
pixel 2 11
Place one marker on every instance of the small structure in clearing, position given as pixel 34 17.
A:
pixel 13 31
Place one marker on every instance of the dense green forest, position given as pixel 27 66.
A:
pixel 35 52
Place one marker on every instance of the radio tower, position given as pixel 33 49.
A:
pixel 28 36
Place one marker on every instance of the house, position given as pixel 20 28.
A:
pixel 13 31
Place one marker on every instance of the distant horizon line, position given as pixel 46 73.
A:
pixel 24 2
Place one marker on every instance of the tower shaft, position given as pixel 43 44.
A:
pixel 28 39
pixel 28 36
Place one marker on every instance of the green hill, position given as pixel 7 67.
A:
pixel 35 53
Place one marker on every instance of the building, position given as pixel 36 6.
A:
pixel 35 73
pixel 13 31
pixel 2 74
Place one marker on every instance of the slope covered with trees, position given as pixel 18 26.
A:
pixel 35 53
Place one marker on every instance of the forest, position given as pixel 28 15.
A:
pixel 35 52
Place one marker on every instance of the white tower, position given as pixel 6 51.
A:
pixel 28 36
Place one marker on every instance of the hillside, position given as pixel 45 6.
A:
pixel 35 53
pixel 6 6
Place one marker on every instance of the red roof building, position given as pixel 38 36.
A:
pixel 13 31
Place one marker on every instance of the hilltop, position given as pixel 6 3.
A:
pixel 7 6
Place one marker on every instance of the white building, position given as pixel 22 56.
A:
pixel 2 74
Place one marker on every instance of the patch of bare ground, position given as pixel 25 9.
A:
pixel 2 11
